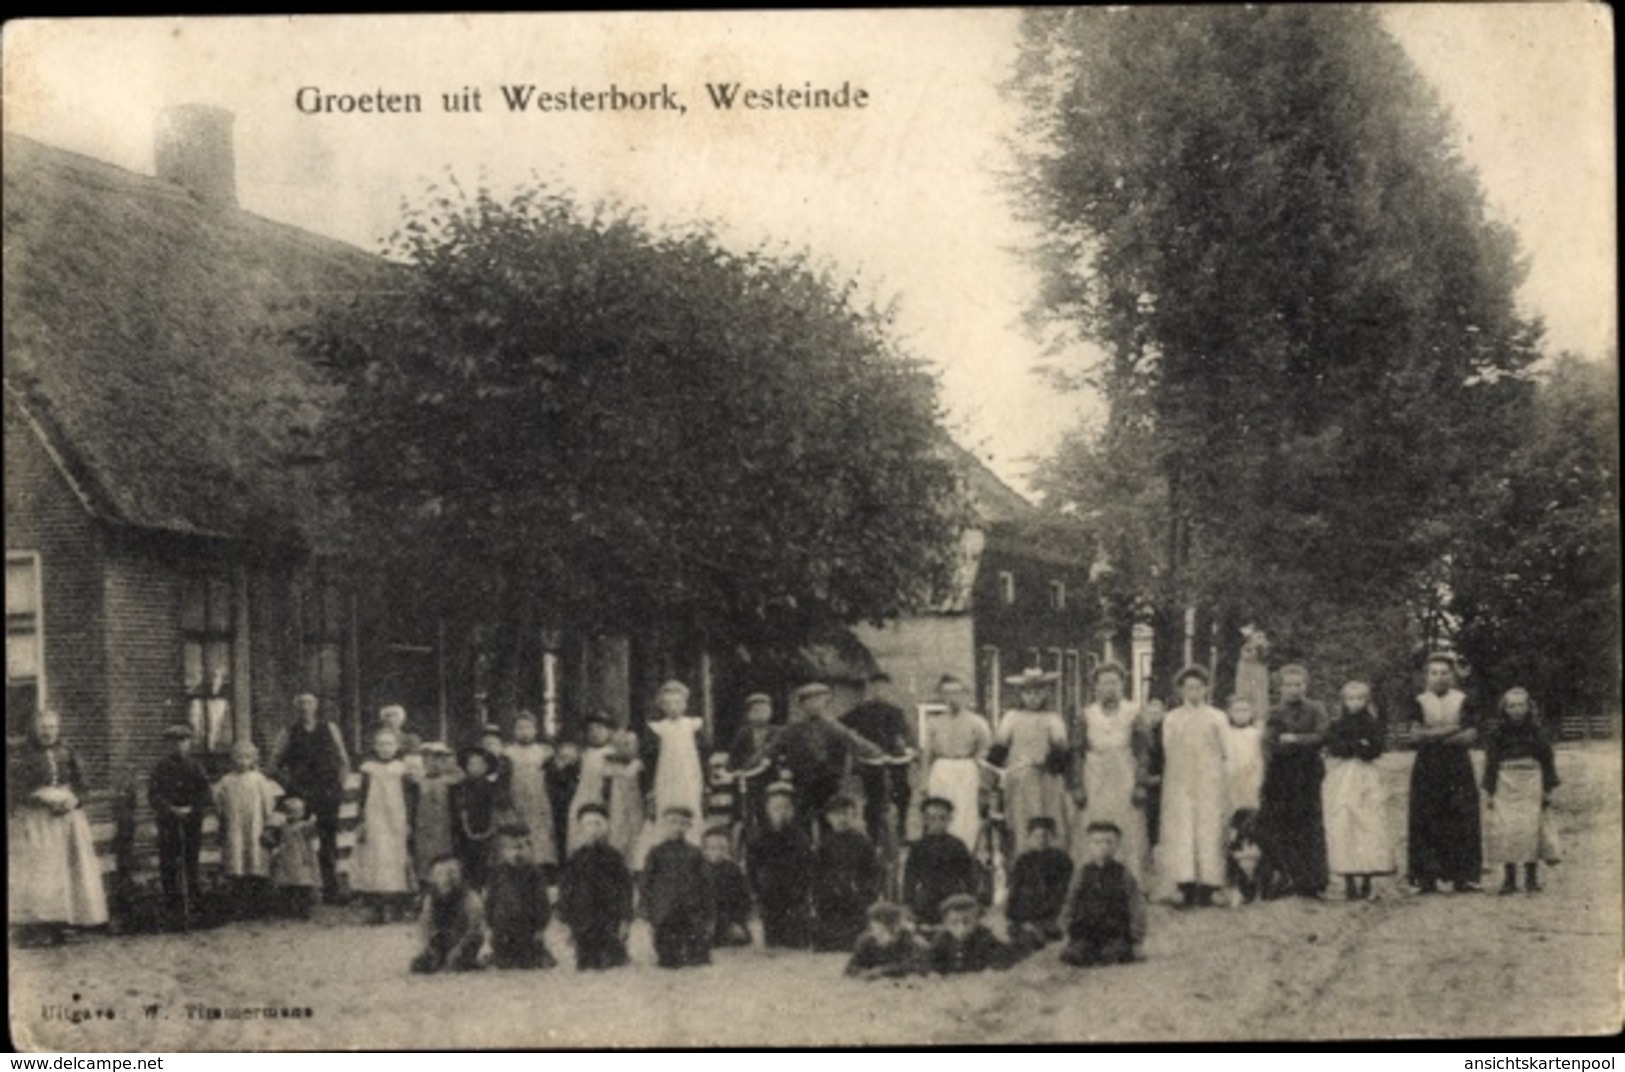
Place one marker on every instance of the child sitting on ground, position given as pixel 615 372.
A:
pixel 1107 919
pixel 780 865
pixel 1038 885
pixel 1244 858
pixel 964 944
pixel 516 906
pixel 453 918
pixel 938 865
pixel 677 896
pixel 595 893
pixel 886 950
pixel 295 873
pixel 846 879
pixel 732 891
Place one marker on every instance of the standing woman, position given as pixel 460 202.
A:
pixel 1033 739
pixel 1115 751
pixel 1444 833
pixel 676 778
pixel 1292 830
pixel 954 741
pixel 55 880
pixel 1194 810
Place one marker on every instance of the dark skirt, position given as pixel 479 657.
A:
pixel 1291 831
pixel 1445 840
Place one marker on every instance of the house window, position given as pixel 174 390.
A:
pixel 25 654
pixel 321 618
pixel 1007 588
pixel 1057 595
pixel 207 637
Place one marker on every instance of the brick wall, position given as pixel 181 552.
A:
pixel 44 515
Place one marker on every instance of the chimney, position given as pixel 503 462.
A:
pixel 193 150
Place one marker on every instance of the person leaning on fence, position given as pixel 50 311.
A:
pixel 179 794
pixel 1520 774
pixel 453 921
pixel 595 893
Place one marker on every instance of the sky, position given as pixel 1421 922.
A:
pixel 904 193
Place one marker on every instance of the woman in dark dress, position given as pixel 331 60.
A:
pixel 1445 840
pixel 1291 828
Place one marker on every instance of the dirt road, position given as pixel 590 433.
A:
pixel 1460 965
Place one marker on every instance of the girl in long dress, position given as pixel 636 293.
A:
pixel 1291 828
pixel 677 779
pixel 956 741
pixel 1354 800
pixel 1194 809
pixel 1114 749
pixel 1033 740
pixel 246 800
pixel 528 762
pixel 609 774
pixel 383 873
pixel 1520 773
pixel 1445 836
pixel 54 880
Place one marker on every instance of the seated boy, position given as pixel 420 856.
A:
pixel 516 905
pixel 938 865
pixel 454 931
pixel 886 950
pixel 1038 885
pixel 677 895
pixel 845 878
pixel 1108 914
pixel 964 944
pixel 780 865
pixel 595 893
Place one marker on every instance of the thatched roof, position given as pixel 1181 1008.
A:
pixel 145 333
pixel 992 500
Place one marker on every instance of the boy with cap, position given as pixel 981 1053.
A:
pixel 938 865
pixel 677 896
pixel 780 862
pixel 516 905
pixel 1038 884
pixel 179 793
pixel 886 950
pixel 815 749
pixel 885 784
pixel 964 944
pixel 1108 912
pixel 595 893
pixel 846 879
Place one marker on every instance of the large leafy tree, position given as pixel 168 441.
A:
pixel 560 416
pixel 1261 218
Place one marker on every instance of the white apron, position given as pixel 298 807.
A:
pixel 959 781
pixel 1194 810
pixel 1512 835
pixel 1355 808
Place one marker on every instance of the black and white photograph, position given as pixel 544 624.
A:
pixel 970 527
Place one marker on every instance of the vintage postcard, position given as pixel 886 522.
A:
pixel 812 529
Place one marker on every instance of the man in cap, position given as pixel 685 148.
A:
pixel 814 750
pixel 179 793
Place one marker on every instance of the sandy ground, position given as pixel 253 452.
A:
pixel 1456 964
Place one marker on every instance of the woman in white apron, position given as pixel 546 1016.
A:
pixel 1114 755
pixel 1194 810
pixel 956 743
pixel 55 880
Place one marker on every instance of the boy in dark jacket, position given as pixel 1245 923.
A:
pixel 964 944
pixel 454 931
pixel 1108 914
pixel 846 879
pixel 732 890
pixel 516 904
pixel 595 894
pixel 780 869
pixel 678 898
pixel 1038 885
pixel 886 950
pixel 938 864
pixel 179 793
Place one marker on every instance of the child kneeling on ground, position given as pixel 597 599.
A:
pixel 1107 920
pixel 516 905
pixel 454 933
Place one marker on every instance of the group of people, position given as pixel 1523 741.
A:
pixel 1119 807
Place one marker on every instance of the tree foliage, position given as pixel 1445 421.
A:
pixel 561 416
pixel 1261 217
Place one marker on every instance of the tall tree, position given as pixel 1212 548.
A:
pixel 561 416
pixel 1261 217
